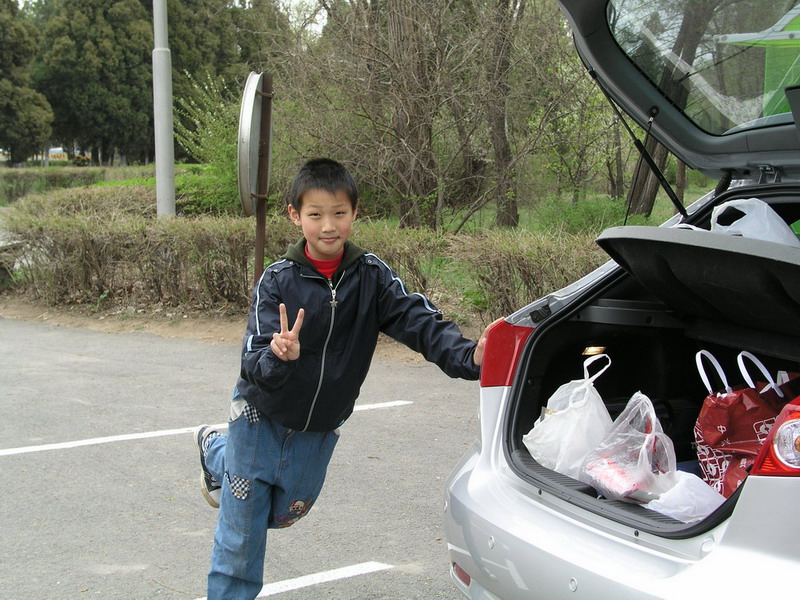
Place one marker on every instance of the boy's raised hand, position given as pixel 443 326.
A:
pixel 286 343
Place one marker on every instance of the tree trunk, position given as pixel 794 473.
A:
pixel 469 182
pixel 680 180
pixel 642 194
pixel 413 116
pixel 507 12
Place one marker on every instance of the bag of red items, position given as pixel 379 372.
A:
pixel 774 391
pixel 730 429
pixel 635 461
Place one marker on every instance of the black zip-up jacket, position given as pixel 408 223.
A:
pixel 343 317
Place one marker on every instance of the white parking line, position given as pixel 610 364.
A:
pixel 278 587
pixel 153 434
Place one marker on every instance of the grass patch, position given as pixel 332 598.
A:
pixel 17 183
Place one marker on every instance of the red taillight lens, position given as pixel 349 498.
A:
pixel 462 575
pixel 780 454
pixel 501 356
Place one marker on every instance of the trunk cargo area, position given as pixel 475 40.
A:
pixel 680 291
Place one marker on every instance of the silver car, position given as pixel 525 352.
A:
pixel 713 81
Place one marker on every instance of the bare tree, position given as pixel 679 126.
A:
pixel 642 194
pixel 413 85
pixel 435 105
pixel 505 19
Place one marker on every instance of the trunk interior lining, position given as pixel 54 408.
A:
pixel 652 350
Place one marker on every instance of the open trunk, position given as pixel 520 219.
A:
pixel 678 291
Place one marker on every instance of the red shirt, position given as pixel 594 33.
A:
pixel 325 267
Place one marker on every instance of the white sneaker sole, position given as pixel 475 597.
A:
pixel 211 496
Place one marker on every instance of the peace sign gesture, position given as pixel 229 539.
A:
pixel 286 343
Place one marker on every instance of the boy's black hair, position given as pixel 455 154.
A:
pixel 323 174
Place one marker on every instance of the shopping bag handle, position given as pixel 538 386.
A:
pixel 720 373
pixel 771 386
pixel 592 359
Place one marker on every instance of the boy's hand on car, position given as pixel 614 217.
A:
pixel 477 357
pixel 286 343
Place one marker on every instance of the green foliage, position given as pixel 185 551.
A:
pixel 94 67
pixel 697 179
pixel 103 246
pixel 590 215
pixel 411 252
pixel 206 128
pixel 204 37
pixel 25 115
pixel 508 269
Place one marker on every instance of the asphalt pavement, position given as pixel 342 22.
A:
pixel 102 497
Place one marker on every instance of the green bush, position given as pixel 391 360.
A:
pixel 206 128
pixel 91 243
pixel 106 245
pixel 16 183
pixel 510 268
pixel 410 252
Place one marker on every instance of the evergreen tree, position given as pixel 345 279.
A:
pixel 96 71
pixel 25 115
pixel 202 41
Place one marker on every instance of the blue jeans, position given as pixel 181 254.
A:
pixel 270 478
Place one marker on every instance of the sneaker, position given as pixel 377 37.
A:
pixel 208 485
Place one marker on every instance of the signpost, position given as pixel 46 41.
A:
pixel 254 154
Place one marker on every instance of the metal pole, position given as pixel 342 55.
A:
pixel 263 173
pixel 162 113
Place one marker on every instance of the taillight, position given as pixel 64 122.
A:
pixel 780 454
pixel 501 356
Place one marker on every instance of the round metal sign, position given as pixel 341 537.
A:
pixel 249 140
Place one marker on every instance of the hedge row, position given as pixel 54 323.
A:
pixel 16 183
pixel 93 245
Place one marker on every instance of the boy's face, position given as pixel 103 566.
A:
pixel 326 220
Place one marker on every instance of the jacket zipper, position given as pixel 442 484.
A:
pixel 334 303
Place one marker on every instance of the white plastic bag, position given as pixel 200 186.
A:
pixel 635 461
pixel 690 499
pixel 757 220
pixel 573 423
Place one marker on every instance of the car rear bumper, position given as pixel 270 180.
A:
pixel 513 548
pixel 517 541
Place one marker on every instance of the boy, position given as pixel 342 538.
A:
pixel 294 389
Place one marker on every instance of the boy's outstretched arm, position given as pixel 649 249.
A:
pixel 477 357
pixel 286 343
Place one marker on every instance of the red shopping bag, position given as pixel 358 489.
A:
pixel 775 391
pixel 730 429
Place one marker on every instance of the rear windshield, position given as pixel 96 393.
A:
pixel 725 64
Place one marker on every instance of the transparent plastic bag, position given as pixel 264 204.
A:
pixel 635 461
pixel 573 422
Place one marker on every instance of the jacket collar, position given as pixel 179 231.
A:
pixel 296 252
